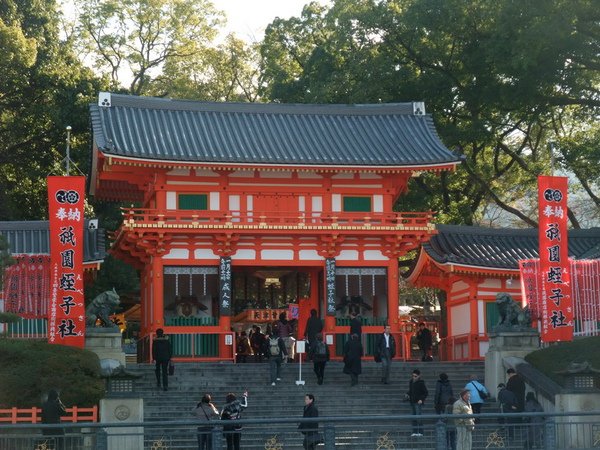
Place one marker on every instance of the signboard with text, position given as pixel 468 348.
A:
pixel 66 311
pixel 556 303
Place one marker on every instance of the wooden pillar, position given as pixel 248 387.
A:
pixel 157 298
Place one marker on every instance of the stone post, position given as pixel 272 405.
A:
pixel 123 410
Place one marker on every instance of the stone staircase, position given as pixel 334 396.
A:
pixel 334 398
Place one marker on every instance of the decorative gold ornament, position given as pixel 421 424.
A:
pixel 596 438
pixel 42 446
pixel 273 444
pixel 159 444
pixel 495 440
pixel 385 443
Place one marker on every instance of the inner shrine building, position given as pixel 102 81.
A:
pixel 243 211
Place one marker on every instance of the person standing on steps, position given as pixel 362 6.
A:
pixel 161 354
pixel 355 324
pixel 232 411
pixel 508 405
pixel 314 326
pixel 464 426
pixel 277 352
pixel 516 384
pixel 425 341
pixel 205 412
pixel 320 356
pixel 310 430
pixel 285 331
pixel 478 395
pixel 353 352
pixel 385 352
pixel 443 392
pixel 52 410
pixel 417 393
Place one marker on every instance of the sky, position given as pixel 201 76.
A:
pixel 249 18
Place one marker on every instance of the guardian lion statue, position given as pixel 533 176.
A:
pixel 512 316
pixel 102 307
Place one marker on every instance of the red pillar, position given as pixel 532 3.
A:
pixel 393 297
pixel 157 298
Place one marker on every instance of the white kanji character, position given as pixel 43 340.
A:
pixel 74 214
pixel 61 214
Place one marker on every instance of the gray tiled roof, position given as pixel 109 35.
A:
pixel 501 248
pixel 176 130
pixel 33 237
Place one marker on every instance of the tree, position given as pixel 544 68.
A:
pixel 134 39
pixel 44 89
pixel 497 77
pixel 5 259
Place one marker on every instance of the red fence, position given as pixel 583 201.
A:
pixel 34 415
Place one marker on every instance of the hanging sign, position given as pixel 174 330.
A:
pixel 556 302
pixel 66 312
pixel 330 285
pixel 225 284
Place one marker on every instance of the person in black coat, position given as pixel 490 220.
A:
pixel 508 405
pixel 385 352
pixel 355 324
pixel 310 430
pixel 52 411
pixel 314 326
pixel 516 384
pixel 320 356
pixel 425 341
pixel 443 392
pixel 161 354
pixel 353 352
pixel 417 393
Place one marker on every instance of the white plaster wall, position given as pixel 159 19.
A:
pixel 204 253
pixel 177 253
pixel 171 200
pixel 302 203
pixel 205 173
pixel 461 319
pixel 242 174
pixel 480 317
pixel 378 203
pixel 179 172
pixel 336 202
pixel 214 201
pixel 309 176
pixel 309 255
pixel 234 202
pixel 285 255
pixel 287 175
pixel 459 286
pixel 348 255
pixel 244 254
pixel 374 255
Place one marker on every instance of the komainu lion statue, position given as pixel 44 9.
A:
pixel 101 308
pixel 512 316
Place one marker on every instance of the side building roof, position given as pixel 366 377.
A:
pixel 33 237
pixel 501 248
pixel 380 135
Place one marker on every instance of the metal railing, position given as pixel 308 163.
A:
pixel 509 431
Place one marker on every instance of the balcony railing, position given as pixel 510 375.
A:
pixel 154 218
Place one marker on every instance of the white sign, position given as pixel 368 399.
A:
pixel 329 339
pixel 228 339
pixel 300 346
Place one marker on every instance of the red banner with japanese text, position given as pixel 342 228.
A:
pixel 556 302
pixel 66 311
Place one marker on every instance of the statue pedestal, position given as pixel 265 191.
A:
pixel 123 410
pixel 106 343
pixel 503 344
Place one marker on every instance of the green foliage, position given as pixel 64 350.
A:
pixel 30 368
pixel 116 274
pixel 557 357
pixel 44 89
pixel 5 259
pixel 499 79
pixel 8 317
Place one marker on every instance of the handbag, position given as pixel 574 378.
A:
pixel 171 368
pixel 482 394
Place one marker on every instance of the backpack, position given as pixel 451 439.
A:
pixel 274 347
pixel 321 349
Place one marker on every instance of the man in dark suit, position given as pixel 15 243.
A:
pixel 161 354
pixel 386 350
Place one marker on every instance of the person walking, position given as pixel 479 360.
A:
pixel 417 393
pixel 52 410
pixel 508 405
pixel 450 426
pixel 320 356
pixel 536 424
pixel 478 395
pixel 233 411
pixel 516 384
pixel 285 331
pixel 310 430
pixel 425 341
pixel 205 412
pixel 355 324
pixel 257 342
pixel 464 426
pixel 277 353
pixel 353 352
pixel 314 326
pixel 161 354
pixel 443 392
pixel 385 352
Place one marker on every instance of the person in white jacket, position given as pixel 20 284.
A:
pixel 464 426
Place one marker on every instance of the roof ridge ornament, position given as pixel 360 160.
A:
pixel 104 99
pixel 419 108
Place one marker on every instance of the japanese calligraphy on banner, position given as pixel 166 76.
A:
pixel 330 285
pixel 556 301
pixel 530 285
pixel 66 311
pixel 225 284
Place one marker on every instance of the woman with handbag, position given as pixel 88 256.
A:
pixel 205 412
pixel 310 430
pixel 478 394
